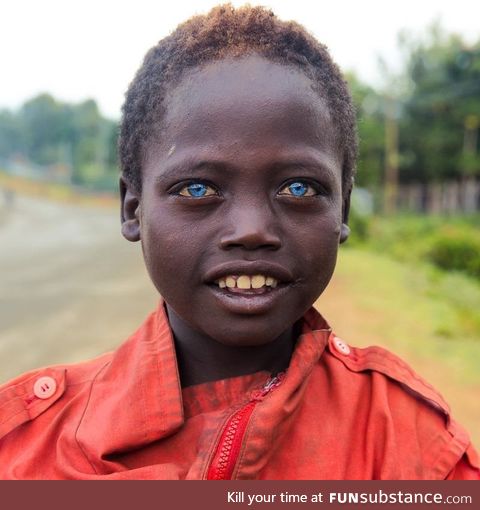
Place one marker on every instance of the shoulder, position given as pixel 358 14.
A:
pixel 381 361
pixel 45 390
pixel 416 413
pixel 62 390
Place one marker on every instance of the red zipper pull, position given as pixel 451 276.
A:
pixel 270 385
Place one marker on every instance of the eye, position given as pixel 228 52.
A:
pixel 298 189
pixel 197 190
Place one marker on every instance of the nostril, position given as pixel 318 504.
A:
pixel 250 242
pixel 251 228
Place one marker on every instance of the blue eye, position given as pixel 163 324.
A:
pixel 298 189
pixel 197 190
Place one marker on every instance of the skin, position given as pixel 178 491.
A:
pixel 246 129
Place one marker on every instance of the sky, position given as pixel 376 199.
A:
pixel 91 49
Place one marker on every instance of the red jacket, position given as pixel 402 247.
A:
pixel 337 413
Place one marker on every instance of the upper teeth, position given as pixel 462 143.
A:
pixel 246 282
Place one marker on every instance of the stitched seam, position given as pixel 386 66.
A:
pixel 379 358
pixel 10 417
pixel 33 407
pixel 171 344
pixel 8 401
pixel 377 363
pixel 25 409
pixel 454 451
pixel 83 415
pixel 7 422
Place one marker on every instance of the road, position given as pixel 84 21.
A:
pixel 70 286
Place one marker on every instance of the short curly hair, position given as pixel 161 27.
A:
pixel 229 32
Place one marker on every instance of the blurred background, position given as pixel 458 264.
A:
pixel 408 279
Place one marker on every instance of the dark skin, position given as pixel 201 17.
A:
pixel 245 181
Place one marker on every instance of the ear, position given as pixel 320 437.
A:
pixel 130 211
pixel 345 229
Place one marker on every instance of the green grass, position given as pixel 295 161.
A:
pixel 428 317
pixel 416 308
pixel 423 310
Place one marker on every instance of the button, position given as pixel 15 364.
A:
pixel 44 387
pixel 341 346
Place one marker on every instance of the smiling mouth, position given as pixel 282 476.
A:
pixel 249 288
pixel 246 284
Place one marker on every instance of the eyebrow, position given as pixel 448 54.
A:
pixel 306 163
pixel 191 165
pixel 188 166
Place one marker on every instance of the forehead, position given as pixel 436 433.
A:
pixel 245 104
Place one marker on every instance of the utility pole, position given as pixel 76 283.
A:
pixel 468 184
pixel 470 138
pixel 391 156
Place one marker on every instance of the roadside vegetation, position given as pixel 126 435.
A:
pixel 440 259
pixel 448 243
pixel 385 294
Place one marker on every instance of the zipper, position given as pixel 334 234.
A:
pixel 230 443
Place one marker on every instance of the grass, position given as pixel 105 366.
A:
pixel 428 317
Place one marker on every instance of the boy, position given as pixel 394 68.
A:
pixel 237 150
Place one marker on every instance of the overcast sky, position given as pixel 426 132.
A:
pixel 92 48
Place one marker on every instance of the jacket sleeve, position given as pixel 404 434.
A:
pixel 467 468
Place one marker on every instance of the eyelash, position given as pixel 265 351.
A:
pixel 315 187
pixel 210 190
pixel 198 185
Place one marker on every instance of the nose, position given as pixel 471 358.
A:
pixel 252 227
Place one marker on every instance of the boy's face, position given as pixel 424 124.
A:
pixel 244 188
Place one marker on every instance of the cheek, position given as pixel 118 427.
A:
pixel 163 249
pixel 172 249
pixel 318 246
pixel 318 238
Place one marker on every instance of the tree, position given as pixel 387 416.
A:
pixel 48 132
pixel 46 124
pixel 11 134
pixel 438 133
pixel 371 132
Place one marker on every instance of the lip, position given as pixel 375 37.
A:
pixel 248 303
pixel 280 273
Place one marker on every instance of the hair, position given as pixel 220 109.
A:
pixel 229 32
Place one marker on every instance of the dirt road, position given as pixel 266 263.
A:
pixel 70 286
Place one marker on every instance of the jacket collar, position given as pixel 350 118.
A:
pixel 136 399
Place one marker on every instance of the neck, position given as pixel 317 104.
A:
pixel 202 359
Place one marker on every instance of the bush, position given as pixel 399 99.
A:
pixel 456 248
pixel 405 238
pixel 358 224
pixel 452 246
pixel 361 211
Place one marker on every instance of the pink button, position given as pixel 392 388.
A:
pixel 44 387
pixel 341 346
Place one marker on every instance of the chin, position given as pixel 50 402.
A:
pixel 247 336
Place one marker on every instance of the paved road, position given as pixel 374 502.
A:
pixel 70 286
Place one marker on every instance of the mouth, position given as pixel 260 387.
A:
pixel 245 284
pixel 251 288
